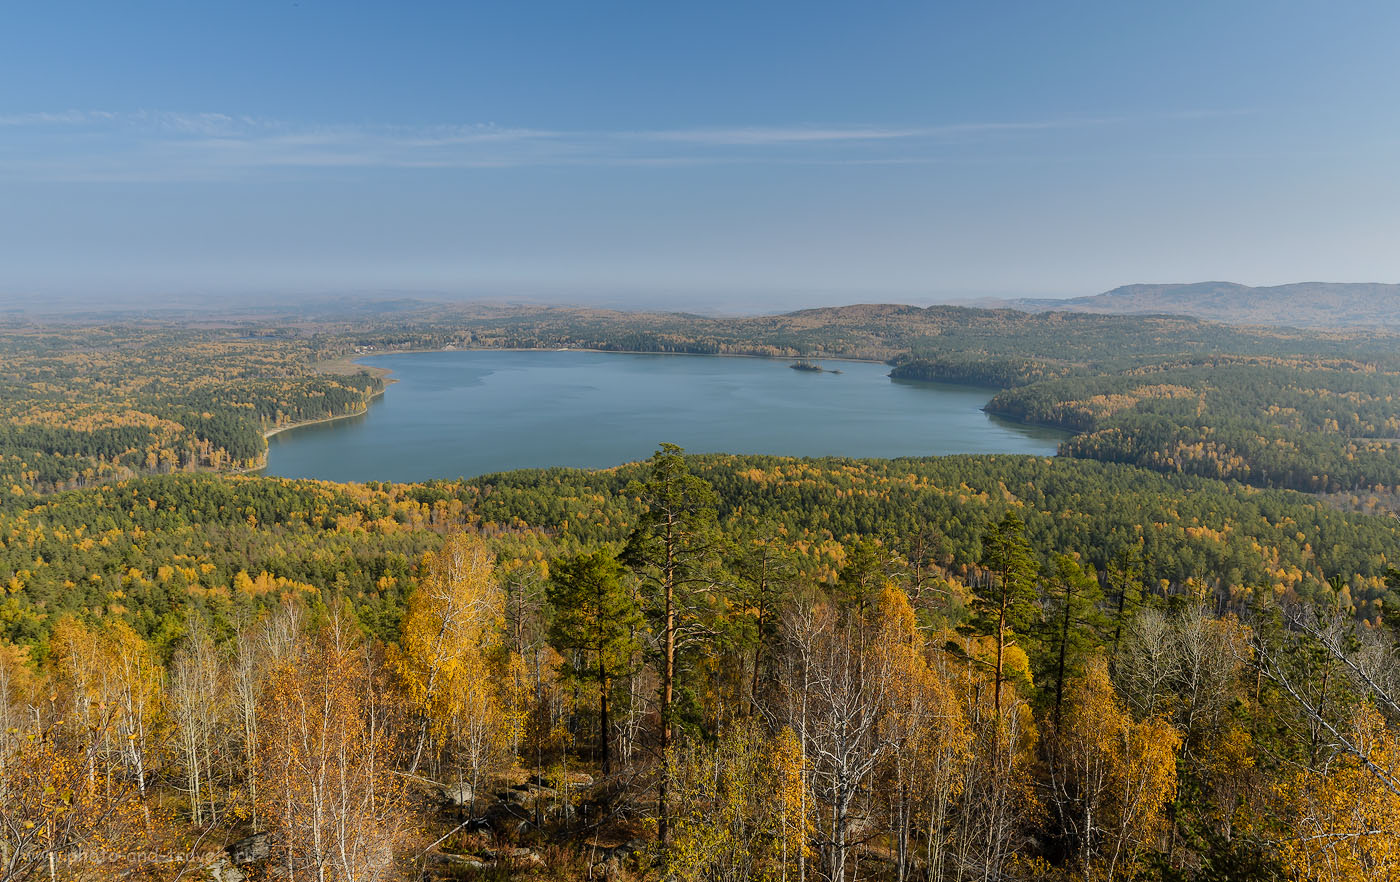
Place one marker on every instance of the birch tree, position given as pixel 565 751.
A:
pixel 197 710
pixel 453 615
pixel 1110 777
pixel 842 696
pixel 327 791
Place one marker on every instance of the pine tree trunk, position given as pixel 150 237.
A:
pixel 1064 643
pixel 603 724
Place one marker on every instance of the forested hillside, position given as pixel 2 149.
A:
pixel 79 406
pixel 707 667
pixel 1323 426
pixel 1147 658
pixel 1300 305
pixel 143 550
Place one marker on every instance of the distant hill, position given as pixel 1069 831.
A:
pixel 1301 305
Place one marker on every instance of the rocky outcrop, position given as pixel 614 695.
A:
pixel 250 850
pixel 608 862
pixel 458 796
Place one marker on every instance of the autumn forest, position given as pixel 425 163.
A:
pixel 1166 653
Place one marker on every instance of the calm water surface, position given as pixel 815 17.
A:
pixel 467 413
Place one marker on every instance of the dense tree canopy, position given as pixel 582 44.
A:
pixel 1150 658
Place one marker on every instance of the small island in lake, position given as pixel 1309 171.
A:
pixel 805 364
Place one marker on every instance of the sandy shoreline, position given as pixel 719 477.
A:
pixel 330 419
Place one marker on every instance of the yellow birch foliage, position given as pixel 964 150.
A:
pixel 1119 774
pixel 54 816
pixel 1344 822
pixel 453 617
pixel 73 755
pixel 325 787
pixel 792 800
pixel 519 695
pixel 925 723
pixel 109 687
pixel 19 688
pixel 136 688
pixel 741 809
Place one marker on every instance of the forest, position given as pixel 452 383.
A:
pixel 79 406
pixel 1167 653
pixel 701 667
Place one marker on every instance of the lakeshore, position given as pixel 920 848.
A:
pixel 464 412
pixel 301 424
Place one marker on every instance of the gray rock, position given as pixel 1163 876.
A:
pixel 457 795
pixel 222 869
pixel 251 849
pixel 610 860
pixel 458 862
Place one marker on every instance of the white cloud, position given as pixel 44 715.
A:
pixel 161 145
pixel 765 136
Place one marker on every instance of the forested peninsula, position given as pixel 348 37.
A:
pixel 1167 653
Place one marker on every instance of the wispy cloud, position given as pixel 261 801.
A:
pixel 67 117
pixel 85 145
pixel 768 136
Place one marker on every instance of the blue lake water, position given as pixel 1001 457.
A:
pixel 467 413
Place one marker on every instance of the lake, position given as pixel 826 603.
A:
pixel 467 413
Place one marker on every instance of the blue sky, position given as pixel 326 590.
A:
pixel 715 155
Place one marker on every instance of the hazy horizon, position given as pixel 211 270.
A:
pixel 234 301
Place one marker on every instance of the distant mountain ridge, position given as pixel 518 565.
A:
pixel 1300 305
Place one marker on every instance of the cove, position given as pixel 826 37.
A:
pixel 471 412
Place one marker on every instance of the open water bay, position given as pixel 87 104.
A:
pixel 472 412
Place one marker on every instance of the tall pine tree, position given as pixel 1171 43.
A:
pixel 675 550
pixel 1004 601
pixel 595 618
pixel 1071 629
